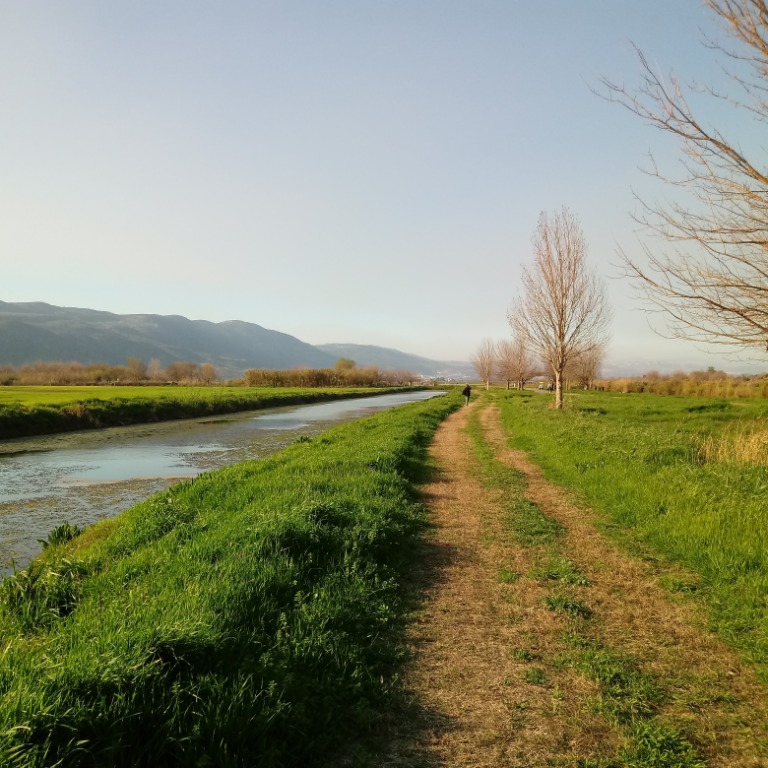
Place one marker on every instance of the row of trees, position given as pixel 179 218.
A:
pixel 135 371
pixel 342 375
pixel 514 363
pixel 345 374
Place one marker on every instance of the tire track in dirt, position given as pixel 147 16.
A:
pixel 475 707
pixel 712 690
pixel 476 641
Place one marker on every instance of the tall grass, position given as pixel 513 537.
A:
pixel 645 463
pixel 744 443
pixel 249 617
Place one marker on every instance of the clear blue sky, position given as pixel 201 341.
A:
pixel 364 171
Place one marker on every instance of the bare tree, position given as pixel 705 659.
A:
pixel 505 366
pixel 713 281
pixel 484 361
pixel 181 371
pixel 516 362
pixel 207 373
pixel 562 312
pixel 585 367
pixel 137 368
pixel 155 370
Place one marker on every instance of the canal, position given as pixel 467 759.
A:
pixel 83 477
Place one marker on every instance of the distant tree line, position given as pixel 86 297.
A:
pixel 344 374
pixel 135 371
pixel 511 363
pixel 709 383
pixel 515 363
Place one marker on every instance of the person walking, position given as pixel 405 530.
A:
pixel 467 391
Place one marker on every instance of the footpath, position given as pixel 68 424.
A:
pixel 539 642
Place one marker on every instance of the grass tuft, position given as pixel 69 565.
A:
pixel 569 606
pixel 561 569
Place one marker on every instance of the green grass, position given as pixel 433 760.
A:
pixel 631 698
pixel 638 459
pixel 560 569
pixel 249 617
pixel 42 410
pixel 535 676
pixel 568 605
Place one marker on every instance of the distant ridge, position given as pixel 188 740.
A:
pixel 393 359
pixel 37 332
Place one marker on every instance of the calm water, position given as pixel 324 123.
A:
pixel 83 477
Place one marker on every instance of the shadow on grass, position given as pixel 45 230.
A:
pixel 403 735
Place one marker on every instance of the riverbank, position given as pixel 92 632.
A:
pixel 249 617
pixel 87 476
pixel 28 411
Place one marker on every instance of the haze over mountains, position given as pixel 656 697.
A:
pixel 37 332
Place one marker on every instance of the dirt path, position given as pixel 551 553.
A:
pixel 490 677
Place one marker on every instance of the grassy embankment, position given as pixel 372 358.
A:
pixel 249 617
pixel 43 410
pixel 680 479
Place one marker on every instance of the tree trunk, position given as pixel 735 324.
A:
pixel 558 390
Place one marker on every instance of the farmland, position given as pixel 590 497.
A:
pixel 42 410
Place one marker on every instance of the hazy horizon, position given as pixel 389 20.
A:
pixel 343 172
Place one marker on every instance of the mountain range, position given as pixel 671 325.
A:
pixel 37 332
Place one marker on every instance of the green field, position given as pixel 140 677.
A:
pixel 42 410
pixel 250 616
pixel 677 479
pixel 31 396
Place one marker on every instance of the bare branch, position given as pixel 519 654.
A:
pixel 712 280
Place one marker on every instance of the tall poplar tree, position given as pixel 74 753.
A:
pixel 562 311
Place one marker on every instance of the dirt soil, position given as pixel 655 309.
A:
pixel 486 680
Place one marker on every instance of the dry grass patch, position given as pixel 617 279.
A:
pixel 739 444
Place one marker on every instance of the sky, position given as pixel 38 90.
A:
pixel 345 171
